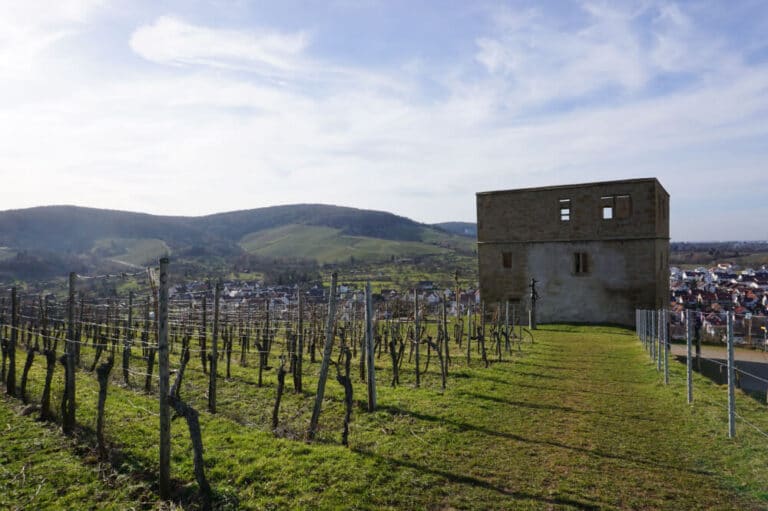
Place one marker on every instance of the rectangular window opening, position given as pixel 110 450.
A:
pixel 607 203
pixel 616 206
pixel 506 259
pixel 580 263
pixel 565 210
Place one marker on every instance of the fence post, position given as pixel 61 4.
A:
pixel 731 381
pixel 214 360
pixel 162 349
pixel 299 346
pixel 644 317
pixel 416 333
pixel 127 341
pixel 469 331
pixel 689 360
pixel 326 362
pixel 659 337
pixel 665 330
pixel 652 330
pixel 507 345
pixel 10 388
pixel 370 345
pixel 68 418
pixel 446 338
pixel 646 331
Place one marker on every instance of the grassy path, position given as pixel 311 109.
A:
pixel 578 420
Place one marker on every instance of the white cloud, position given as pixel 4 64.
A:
pixel 203 139
pixel 30 28
pixel 542 60
pixel 170 40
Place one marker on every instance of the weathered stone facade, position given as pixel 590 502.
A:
pixel 598 250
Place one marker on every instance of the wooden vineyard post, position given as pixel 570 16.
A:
pixel 416 333
pixel 458 306
pixel 49 350
pixel 203 335
pixel 214 351
pixel 299 347
pixel 369 347
pixel 10 386
pixel 278 397
pixel 165 417
pixel 128 340
pixel 68 407
pixel 31 349
pixel 346 382
pixel 481 336
pixel 507 346
pixel 446 338
pixel 469 332
pixel 327 349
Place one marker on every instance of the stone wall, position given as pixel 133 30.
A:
pixel 626 259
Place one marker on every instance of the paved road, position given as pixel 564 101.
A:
pixel 718 352
pixel 752 365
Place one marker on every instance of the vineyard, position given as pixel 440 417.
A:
pixel 272 405
pixel 258 364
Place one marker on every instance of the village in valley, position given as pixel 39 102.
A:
pixel 715 291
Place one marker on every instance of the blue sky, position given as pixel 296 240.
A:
pixel 195 107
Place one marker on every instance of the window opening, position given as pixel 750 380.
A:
pixel 506 259
pixel 623 207
pixel 565 210
pixel 616 206
pixel 580 263
pixel 607 203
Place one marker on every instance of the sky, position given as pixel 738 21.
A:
pixel 194 107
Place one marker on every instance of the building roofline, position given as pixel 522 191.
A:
pixel 579 185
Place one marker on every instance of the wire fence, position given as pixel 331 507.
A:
pixel 654 329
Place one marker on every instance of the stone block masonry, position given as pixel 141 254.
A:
pixel 597 250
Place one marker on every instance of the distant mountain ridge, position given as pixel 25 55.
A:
pixel 65 235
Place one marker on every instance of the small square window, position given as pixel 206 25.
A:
pixel 506 259
pixel 565 210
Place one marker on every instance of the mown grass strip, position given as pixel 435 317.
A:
pixel 578 420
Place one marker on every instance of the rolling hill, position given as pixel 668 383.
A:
pixel 467 229
pixel 51 240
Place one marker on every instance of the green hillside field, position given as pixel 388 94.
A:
pixel 328 245
pixel 132 251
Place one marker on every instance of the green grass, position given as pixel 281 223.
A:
pixel 328 245
pixel 132 251
pixel 578 420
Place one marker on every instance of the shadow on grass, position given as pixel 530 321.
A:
pixel 121 462
pixel 465 426
pixel 561 390
pixel 582 328
pixel 548 366
pixel 537 406
pixel 479 483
